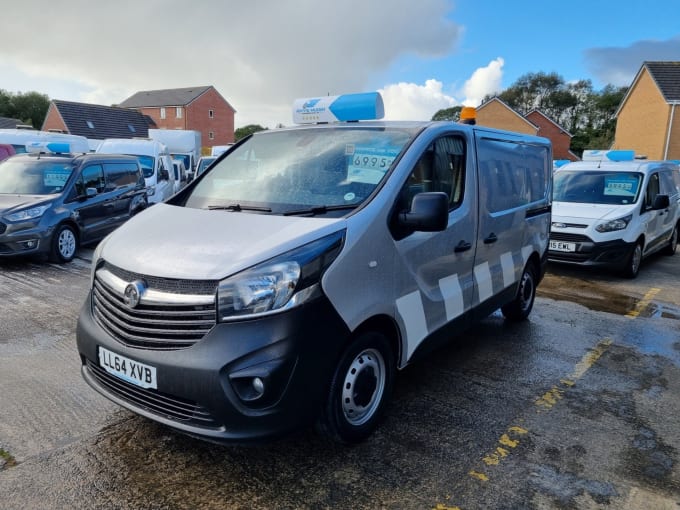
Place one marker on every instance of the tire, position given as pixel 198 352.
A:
pixel 519 308
pixel 359 391
pixel 673 243
pixel 64 244
pixel 632 267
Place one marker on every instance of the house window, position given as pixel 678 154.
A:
pixel 211 135
pixel 178 112
pixel 211 114
pixel 162 112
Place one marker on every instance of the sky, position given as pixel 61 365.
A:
pixel 260 55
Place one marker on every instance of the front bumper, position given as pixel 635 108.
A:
pixel 614 254
pixel 205 390
pixel 15 242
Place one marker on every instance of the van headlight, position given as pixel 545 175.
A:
pixel 277 284
pixel 611 226
pixel 28 214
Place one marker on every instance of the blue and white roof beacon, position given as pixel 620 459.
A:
pixel 345 108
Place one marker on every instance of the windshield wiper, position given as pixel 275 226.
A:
pixel 238 208
pixel 319 209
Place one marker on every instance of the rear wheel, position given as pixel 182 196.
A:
pixel 673 243
pixel 359 390
pixel 520 307
pixel 632 267
pixel 64 244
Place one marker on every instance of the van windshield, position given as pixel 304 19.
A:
pixel 147 164
pixel 596 187
pixel 23 176
pixel 290 171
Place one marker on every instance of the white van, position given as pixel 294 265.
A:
pixel 154 159
pixel 19 138
pixel 309 265
pixel 614 211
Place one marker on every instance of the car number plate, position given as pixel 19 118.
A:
pixel 561 246
pixel 134 372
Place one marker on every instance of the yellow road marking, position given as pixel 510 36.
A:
pixel 643 303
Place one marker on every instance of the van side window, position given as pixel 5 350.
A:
pixel 652 190
pixel 668 186
pixel 440 168
pixel 119 175
pixel 92 177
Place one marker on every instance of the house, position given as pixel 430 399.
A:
pixel 7 123
pixel 198 108
pixel 498 114
pixel 560 138
pixel 648 118
pixel 95 122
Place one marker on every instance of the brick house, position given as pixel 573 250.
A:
pixel 648 118
pixel 496 113
pixel 560 138
pixel 95 122
pixel 198 108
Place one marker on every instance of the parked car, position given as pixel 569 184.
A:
pixel 52 203
pixel 308 265
pixel 614 213
pixel 203 164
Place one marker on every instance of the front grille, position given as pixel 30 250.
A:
pixel 570 238
pixel 172 314
pixel 161 404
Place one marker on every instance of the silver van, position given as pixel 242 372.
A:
pixel 308 266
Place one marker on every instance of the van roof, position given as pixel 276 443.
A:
pixel 641 165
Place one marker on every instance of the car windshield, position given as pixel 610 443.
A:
pixel 204 163
pixel 307 169
pixel 184 158
pixel 596 187
pixel 24 176
pixel 147 164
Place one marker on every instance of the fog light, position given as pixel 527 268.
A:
pixel 258 386
pixel 29 244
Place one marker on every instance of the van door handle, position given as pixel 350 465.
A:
pixel 491 239
pixel 462 246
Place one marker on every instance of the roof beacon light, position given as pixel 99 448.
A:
pixel 348 107
pixel 48 147
pixel 613 155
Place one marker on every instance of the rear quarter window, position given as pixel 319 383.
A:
pixel 119 175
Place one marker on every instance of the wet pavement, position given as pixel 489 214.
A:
pixel 575 408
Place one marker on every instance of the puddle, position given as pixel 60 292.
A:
pixel 602 299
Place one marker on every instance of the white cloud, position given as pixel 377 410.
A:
pixel 484 81
pixel 410 101
pixel 259 55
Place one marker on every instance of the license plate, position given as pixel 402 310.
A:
pixel 129 370
pixel 561 246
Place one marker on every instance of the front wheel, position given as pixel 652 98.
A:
pixel 519 308
pixel 64 244
pixel 360 389
pixel 632 267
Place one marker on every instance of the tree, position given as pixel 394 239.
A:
pixel 244 131
pixel 452 114
pixel 31 107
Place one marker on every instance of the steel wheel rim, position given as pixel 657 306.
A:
pixel 636 259
pixel 66 243
pixel 526 291
pixel 363 387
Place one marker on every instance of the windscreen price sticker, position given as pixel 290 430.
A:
pixel 621 187
pixel 56 178
pixel 368 167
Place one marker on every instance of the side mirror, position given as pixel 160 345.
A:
pixel 429 212
pixel 661 202
pixel 90 192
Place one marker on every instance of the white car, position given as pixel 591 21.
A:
pixel 613 214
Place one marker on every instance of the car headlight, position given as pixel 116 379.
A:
pixel 277 284
pixel 611 226
pixel 28 214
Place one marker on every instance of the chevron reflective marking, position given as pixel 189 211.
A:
pixel 453 296
pixel 508 265
pixel 410 307
pixel 484 283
